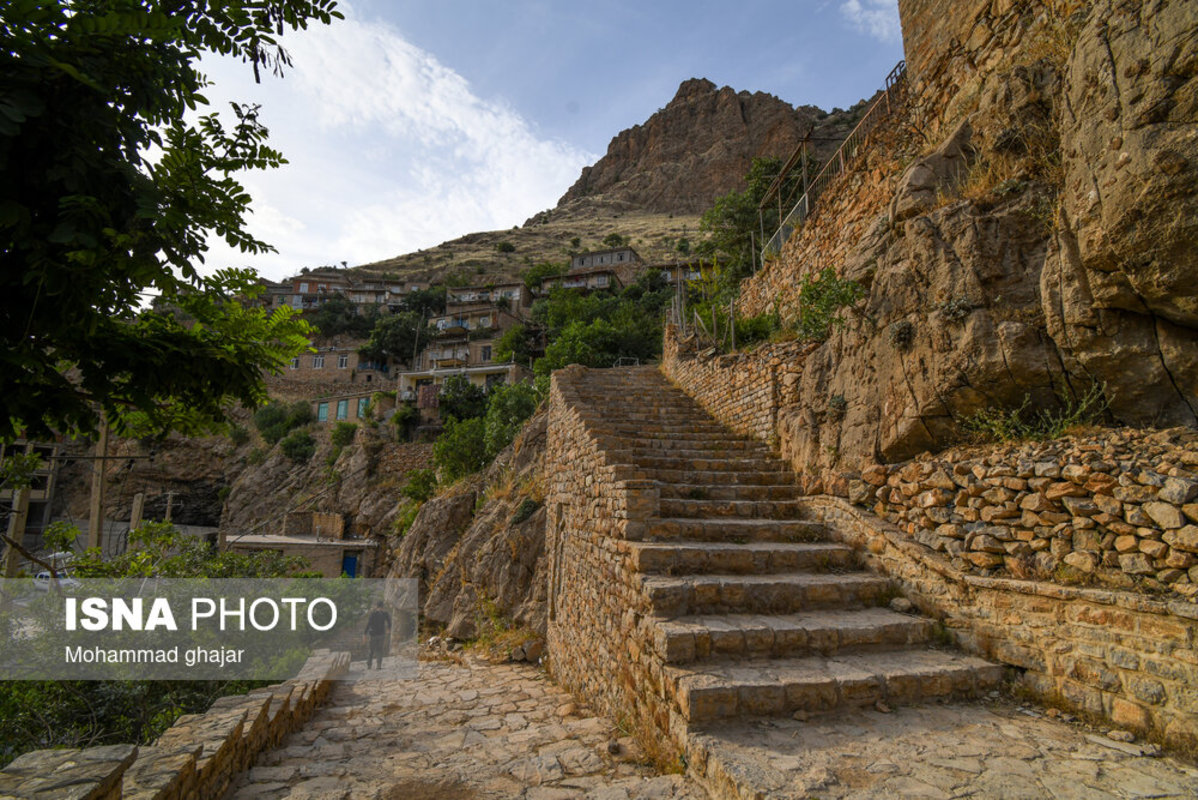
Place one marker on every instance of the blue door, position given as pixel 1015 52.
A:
pixel 349 565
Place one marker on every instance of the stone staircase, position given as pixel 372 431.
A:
pixel 754 610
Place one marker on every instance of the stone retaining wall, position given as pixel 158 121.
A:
pixel 1113 654
pixel 742 390
pixel 596 640
pixel 1117 507
pixel 197 757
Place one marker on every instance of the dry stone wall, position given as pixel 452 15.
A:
pixel 1119 507
pixel 1115 654
pixel 743 390
pixel 197 757
pixel 597 644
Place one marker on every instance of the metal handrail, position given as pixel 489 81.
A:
pixel 892 97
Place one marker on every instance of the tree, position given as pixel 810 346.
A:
pixel 91 223
pixel 460 449
pixel 507 409
pixel 399 336
pixel 515 344
pixel 533 276
pixel 461 399
pixel 426 302
pixel 340 315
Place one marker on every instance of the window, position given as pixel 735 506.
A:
pixel 317 362
pixel 342 409
pixel 485 352
pixel 342 361
pixel 322 412
pixel 295 363
pixel 363 402
pixel 303 288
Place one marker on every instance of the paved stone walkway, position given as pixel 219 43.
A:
pixel 994 750
pixel 459 732
pixel 471 731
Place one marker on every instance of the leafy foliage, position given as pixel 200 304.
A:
pixel 461 399
pixel 533 276
pixel 339 315
pixel 460 449
pixel 820 301
pixel 515 344
pixel 399 336
pixel 421 485
pixel 426 302
pixel 507 409
pixel 275 420
pixel 343 434
pixel 89 226
pixel 299 446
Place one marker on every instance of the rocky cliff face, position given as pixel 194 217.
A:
pixel 699 147
pixel 1044 247
pixel 477 549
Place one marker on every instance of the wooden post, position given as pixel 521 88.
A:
pixel 139 507
pixel 16 530
pixel 95 522
pixel 170 502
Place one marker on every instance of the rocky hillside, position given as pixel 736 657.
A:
pixel 651 186
pixel 1043 247
pixel 699 147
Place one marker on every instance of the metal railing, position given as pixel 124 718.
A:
pixel 892 98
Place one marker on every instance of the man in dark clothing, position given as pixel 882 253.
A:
pixel 378 625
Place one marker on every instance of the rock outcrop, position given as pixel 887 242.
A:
pixel 699 147
pixel 477 549
pixel 1044 248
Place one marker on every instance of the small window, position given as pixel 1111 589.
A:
pixel 363 402
pixel 342 361
pixel 295 363
pixel 342 409
pixel 303 288
pixel 322 412
pixel 486 352
pixel 317 362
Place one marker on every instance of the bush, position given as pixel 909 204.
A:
pixel 509 406
pixel 421 485
pixel 343 434
pixel 1006 425
pixel 751 330
pixel 505 247
pixel 461 399
pixel 238 435
pixel 526 509
pixel 460 450
pixel 820 300
pixel 275 420
pixel 405 420
pixel 299 446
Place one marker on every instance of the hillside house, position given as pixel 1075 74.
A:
pixel 336 363
pixel 588 279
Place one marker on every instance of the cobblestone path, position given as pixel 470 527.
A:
pixel 472 731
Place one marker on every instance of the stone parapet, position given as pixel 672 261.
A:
pixel 1115 654
pixel 197 757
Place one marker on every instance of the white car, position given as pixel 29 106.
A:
pixel 42 581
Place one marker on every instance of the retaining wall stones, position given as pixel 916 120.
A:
pixel 197 757
pixel 1121 655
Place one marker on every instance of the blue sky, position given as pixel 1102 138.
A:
pixel 413 122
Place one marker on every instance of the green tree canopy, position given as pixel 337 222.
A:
pixel 340 315
pixel 400 336
pixel 108 195
pixel 427 302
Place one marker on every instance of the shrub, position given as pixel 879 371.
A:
pixel 460 450
pixel 505 247
pixel 299 446
pixel 343 434
pixel 1005 425
pixel 902 334
pixel 526 509
pixel 255 457
pixel 507 409
pixel 421 485
pixel 820 301
pixel 751 330
pixel 956 309
pixel 238 435
pixel 275 420
pixel 405 420
pixel 461 399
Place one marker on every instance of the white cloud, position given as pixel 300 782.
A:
pixel 876 18
pixel 390 151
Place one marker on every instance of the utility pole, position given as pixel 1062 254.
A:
pixel 95 526
pixel 139 506
pixel 16 530
pixel 170 502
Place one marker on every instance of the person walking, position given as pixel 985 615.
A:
pixel 378 625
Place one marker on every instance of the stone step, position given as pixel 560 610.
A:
pixel 746 509
pixel 826 633
pixel 777 477
pixel 734 530
pixel 687 446
pixel 719 690
pixel 750 465
pixel 788 593
pixel 696 558
pixel 725 492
